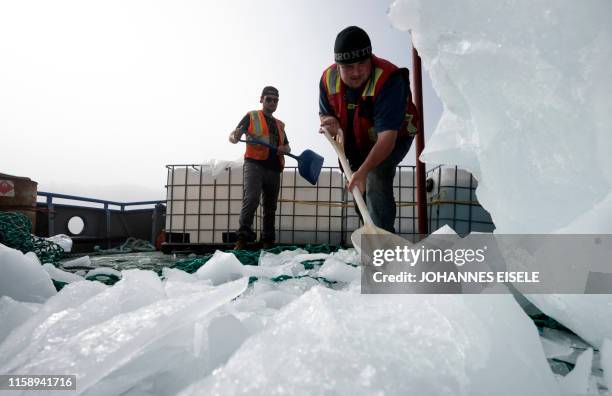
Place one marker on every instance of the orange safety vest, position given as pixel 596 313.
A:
pixel 363 124
pixel 258 128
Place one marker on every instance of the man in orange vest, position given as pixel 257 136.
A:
pixel 262 168
pixel 369 98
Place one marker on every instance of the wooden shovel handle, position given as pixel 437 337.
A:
pixel 349 175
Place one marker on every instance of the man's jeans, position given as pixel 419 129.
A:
pixel 379 186
pixel 258 181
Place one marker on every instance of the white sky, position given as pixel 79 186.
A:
pixel 97 97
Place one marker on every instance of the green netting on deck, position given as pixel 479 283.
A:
pixel 247 257
pixel 130 245
pixel 16 233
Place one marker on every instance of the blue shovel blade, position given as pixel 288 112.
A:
pixel 309 166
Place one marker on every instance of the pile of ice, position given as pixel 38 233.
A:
pixel 212 333
pixel 526 88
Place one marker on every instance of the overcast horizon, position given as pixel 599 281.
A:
pixel 97 98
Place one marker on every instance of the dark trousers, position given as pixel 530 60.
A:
pixel 263 182
pixel 379 195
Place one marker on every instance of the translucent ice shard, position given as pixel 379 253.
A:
pixel 345 343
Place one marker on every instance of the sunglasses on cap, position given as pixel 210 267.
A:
pixel 269 99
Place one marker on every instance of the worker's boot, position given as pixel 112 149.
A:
pixel 241 244
pixel 267 244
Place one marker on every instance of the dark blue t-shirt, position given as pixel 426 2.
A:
pixel 387 113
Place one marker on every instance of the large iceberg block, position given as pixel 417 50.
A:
pixel 526 87
pixel 525 100
pixel 344 343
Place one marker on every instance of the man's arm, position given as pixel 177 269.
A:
pixel 382 149
pixel 242 127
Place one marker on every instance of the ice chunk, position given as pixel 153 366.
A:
pixel 564 337
pixel 444 230
pixel 270 294
pixel 63 240
pixel 178 275
pixel 62 276
pixel 164 367
pixel 13 314
pixel 23 278
pixel 137 289
pixel 594 221
pixel 84 261
pixel 606 362
pixel 214 167
pixel 348 256
pixel 330 341
pixel 70 296
pixel 338 271
pixel 297 286
pixel 178 283
pixel 141 288
pixel 300 258
pixel 221 267
pixel 577 381
pixel 276 299
pixel 554 349
pixel 586 315
pixel 99 349
pixel 287 262
pixel 268 259
pixel 225 335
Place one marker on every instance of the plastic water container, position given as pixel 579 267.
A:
pixel 203 208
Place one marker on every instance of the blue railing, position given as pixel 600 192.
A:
pixel 50 208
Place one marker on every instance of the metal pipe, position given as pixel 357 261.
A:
pixel 50 216
pixel 417 95
pixel 108 225
pixel 95 200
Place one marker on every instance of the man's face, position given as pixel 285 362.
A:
pixel 270 102
pixel 355 74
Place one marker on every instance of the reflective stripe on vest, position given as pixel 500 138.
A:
pixel 368 90
pixel 258 128
pixel 332 80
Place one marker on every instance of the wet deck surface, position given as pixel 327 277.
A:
pixel 154 261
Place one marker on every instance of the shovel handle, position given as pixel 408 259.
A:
pixel 349 175
pixel 252 140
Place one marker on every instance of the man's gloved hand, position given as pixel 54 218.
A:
pixel 358 180
pixel 283 149
pixel 330 123
pixel 235 135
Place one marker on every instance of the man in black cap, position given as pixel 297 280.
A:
pixel 369 98
pixel 262 168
